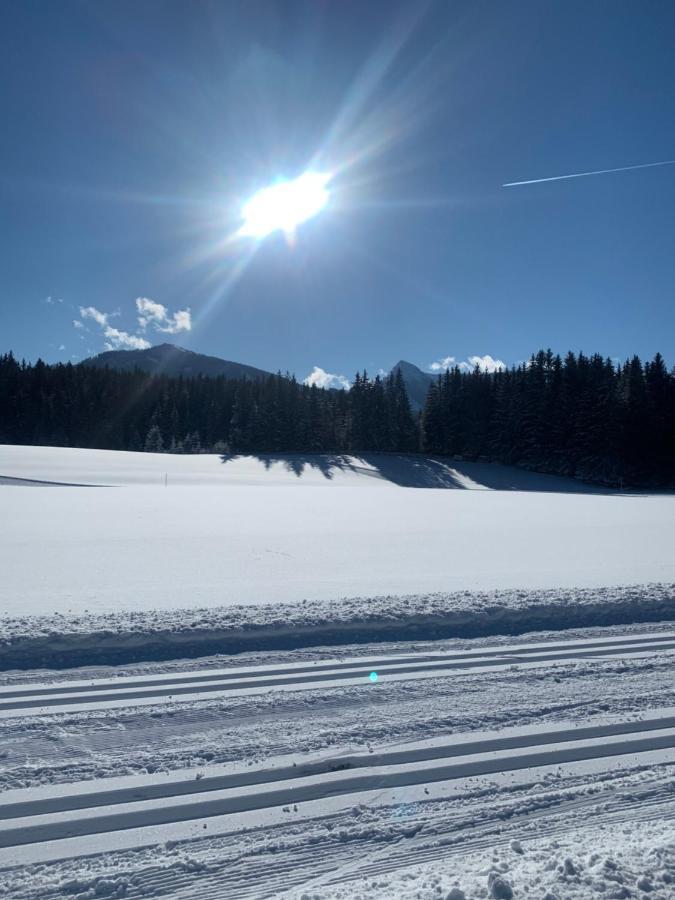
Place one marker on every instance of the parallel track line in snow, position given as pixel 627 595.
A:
pixel 22 830
pixel 343 763
pixel 235 682
pixel 126 683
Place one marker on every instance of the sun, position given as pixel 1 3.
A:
pixel 284 205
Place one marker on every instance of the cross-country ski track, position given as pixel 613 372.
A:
pixel 413 779
pixel 49 826
pixel 142 691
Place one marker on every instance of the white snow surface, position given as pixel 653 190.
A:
pixel 79 466
pixel 497 768
pixel 256 540
pixel 547 779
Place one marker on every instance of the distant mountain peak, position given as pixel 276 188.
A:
pixel 404 366
pixel 170 359
pixel 416 382
pixel 166 347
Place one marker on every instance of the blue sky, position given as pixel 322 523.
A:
pixel 133 132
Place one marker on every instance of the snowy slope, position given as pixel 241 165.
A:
pixel 28 465
pixel 74 466
pixel 134 547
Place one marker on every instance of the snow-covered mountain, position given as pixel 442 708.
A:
pixel 168 359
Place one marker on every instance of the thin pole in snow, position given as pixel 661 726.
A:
pixel 166 479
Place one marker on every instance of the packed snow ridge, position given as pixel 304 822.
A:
pixel 115 637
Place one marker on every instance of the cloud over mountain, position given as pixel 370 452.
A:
pixel 323 379
pixel 116 339
pixel 156 315
pixel 486 363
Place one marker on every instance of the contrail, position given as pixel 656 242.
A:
pixel 665 162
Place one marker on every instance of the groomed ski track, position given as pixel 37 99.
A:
pixel 63 821
pixel 142 691
pixel 50 825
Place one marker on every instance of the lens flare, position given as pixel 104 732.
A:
pixel 284 205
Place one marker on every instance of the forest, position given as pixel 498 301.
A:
pixel 582 416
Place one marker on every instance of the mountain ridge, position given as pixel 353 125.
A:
pixel 175 361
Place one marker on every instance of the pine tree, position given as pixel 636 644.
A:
pixel 153 440
pixel 579 416
pixel 432 420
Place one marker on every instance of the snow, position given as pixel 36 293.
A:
pixel 137 547
pixel 76 466
pixel 478 765
pixel 32 465
pixel 555 780
pixel 123 636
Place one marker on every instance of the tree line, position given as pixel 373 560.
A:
pixel 582 415
pixel 87 406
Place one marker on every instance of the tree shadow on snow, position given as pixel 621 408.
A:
pixel 410 470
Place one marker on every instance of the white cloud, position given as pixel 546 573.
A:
pixel 62 346
pixel 447 362
pixel 122 340
pixel 77 324
pixel 150 311
pixel 115 339
pixel 324 379
pixel 485 363
pixel 90 312
pixel 158 316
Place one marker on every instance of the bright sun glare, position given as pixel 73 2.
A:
pixel 284 205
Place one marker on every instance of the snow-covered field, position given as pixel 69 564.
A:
pixel 236 538
pixel 443 680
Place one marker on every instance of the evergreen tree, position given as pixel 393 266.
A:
pixel 580 416
pixel 153 440
pixel 432 421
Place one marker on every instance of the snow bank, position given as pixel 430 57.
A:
pixel 58 640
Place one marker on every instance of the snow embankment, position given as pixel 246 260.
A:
pixel 58 640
